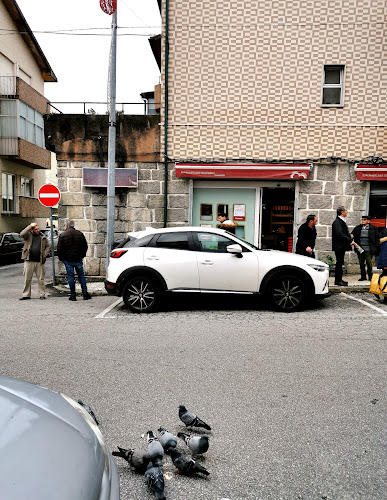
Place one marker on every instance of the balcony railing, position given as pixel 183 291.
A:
pixel 100 108
pixel 7 86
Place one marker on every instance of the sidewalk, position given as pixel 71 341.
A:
pixel 98 288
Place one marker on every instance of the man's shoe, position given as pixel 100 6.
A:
pixel 73 297
pixel 24 298
pixel 42 297
pixel 86 296
pixel 362 279
pixel 342 283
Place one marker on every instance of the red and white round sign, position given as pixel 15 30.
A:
pixel 49 195
pixel 108 6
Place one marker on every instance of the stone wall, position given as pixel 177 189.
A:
pixel 135 209
pixel 331 185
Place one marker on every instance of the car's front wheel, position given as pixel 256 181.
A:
pixel 287 293
pixel 141 295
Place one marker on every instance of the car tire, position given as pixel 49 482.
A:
pixel 142 294
pixel 287 293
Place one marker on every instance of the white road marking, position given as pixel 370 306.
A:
pixel 108 309
pixel 372 306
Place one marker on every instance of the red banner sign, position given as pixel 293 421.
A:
pixel 242 171
pixel 108 6
pixel 371 172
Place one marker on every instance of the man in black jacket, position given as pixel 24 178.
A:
pixel 72 248
pixel 366 236
pixel 307 235
pixel 341 242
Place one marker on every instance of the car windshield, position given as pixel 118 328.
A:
pixel 247 243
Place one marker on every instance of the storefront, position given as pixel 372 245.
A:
pixel 261 199
pixel 377 177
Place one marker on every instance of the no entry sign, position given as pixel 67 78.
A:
pixel 49 195
pixel 108 6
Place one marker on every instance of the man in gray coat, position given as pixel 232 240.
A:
pixel 34 253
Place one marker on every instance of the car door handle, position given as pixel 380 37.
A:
pixel 207 263
pixel 153 257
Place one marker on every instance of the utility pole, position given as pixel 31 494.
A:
pixel 112 129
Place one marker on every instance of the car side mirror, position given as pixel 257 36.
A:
pixel 236 250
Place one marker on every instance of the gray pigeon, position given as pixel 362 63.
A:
pixel 185 464
pixel 197 444
pixel 136 459
pixel 89 411
pixel 155 450
pixel 190 419
pixel 154 479
pixel 167 439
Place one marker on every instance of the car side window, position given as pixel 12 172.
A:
pixel 8 239
pixel 17 237
pixel 209 242
pixel 177 241
pixel 137 242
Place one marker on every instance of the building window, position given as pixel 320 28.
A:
pixel 8 192
pixel 333 86
pixel 26 187
pixel 31 124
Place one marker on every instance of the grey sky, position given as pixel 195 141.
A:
pixel 81 62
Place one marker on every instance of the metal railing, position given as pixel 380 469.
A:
pixel 101 108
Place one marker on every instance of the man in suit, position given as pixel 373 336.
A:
pixel 341 242
pixel 307 235
pixel 366 236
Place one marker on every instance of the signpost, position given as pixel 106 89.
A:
pixel 49 195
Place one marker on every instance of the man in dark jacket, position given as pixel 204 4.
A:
pixel 341 242
pixel 366 236
pixel 307 235
pixel 72 248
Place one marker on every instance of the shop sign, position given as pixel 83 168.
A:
pixel 371 172
pixel 242 171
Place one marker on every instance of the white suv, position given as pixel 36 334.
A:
pixel 153 262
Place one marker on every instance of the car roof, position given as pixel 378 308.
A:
pixel 178 229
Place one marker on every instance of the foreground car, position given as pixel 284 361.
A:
pixel 11 245
pixel 51 447
pixel 196 259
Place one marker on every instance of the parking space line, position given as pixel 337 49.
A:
pixel 372 306
pixel 108 309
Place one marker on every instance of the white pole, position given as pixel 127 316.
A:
pixel 112 140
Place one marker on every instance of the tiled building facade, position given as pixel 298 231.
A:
pixel 277 83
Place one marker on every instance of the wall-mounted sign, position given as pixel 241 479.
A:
pixel 371 172
pixel 98 177
pixel 239 212
pixel 295 172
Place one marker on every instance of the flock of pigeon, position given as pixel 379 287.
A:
pixel 149 462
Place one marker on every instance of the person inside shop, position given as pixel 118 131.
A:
pixel 307 235
pixel 366 237
pixel 226 223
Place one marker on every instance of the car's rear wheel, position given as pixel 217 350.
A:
pixel 287 293
pixel 142 294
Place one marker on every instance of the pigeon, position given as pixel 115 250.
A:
pixel 167 439
pixel 155 450
pixel 137 459
pixel 191 420
pixel 154 479
pixel 197 444
pixel 185 464
pixel 89 411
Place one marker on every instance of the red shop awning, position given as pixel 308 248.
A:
pixel 371 172
pixel 242 171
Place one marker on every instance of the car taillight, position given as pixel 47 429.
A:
pixel 116 254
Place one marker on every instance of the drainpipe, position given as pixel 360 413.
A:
pixel 166 64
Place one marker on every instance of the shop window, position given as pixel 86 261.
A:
pixel 206 211
pixel 378 204
pixel 333 86
pixel 26 187
pixel 8 192
pixel 221 208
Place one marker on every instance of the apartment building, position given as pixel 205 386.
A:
pixel 275 109
pixel 24 160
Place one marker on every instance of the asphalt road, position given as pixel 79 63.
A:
pixel 297 402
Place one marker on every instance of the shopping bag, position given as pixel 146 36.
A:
pixel 378 284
